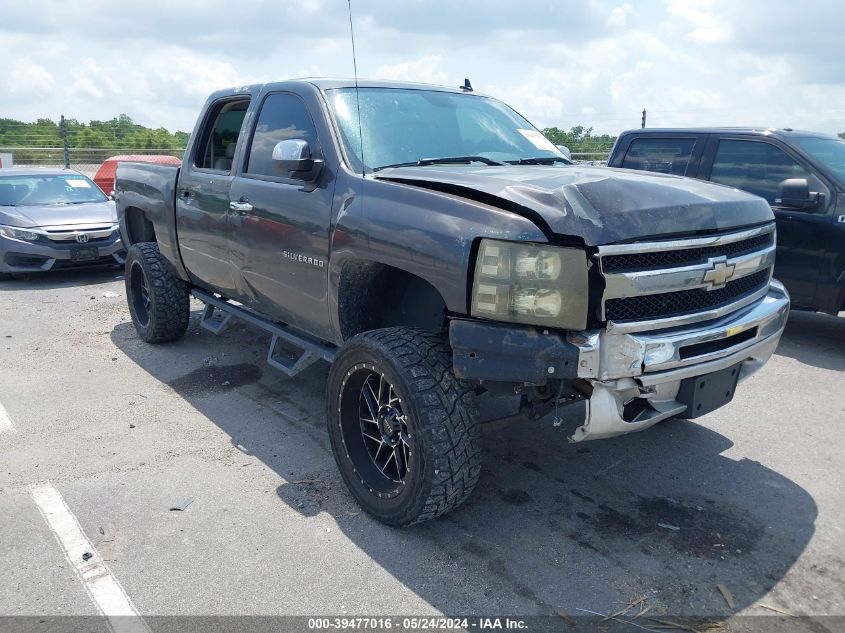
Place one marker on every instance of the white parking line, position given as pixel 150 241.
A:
pixel 5 422
pixel 103 588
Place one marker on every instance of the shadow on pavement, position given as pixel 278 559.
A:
pixel 62 278
pixel 552 525
pixel 815 339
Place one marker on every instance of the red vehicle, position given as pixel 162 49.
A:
pixel 104 178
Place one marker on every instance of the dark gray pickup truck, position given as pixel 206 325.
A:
pixel 432 245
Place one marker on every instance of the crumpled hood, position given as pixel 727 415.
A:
pixel 599 204
pixel 59 215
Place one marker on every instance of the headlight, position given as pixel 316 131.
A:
pixel 19 234
pixel 529 283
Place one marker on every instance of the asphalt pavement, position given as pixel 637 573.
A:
pixel 101 435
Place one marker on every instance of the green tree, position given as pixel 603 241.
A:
pixel 581 140
pixel 120 132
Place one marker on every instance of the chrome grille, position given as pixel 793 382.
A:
pixel 688 257
pixel 677 303
pixel 664 284
pixel 68 236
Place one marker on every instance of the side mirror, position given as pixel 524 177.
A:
pixel 794 193
pixel 565 151
pixel 293 159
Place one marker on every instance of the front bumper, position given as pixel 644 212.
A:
pixel 19 256
pixel 634 378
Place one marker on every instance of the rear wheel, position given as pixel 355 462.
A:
pixel 404 431
pixel 158 298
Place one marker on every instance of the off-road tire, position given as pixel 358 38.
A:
pixel 442 423
pixel 164 316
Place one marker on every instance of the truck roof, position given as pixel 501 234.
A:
pixel 328 83
pixel 783 133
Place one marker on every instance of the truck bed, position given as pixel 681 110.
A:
pixel 151 188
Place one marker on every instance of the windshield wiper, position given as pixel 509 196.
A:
pixel 444 160
pixel 540 160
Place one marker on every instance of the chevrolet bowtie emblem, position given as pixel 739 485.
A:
pixel 719 273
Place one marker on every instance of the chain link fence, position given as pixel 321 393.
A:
pixel 86 160
pixel 591 158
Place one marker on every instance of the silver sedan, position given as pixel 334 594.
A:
pixel 54 218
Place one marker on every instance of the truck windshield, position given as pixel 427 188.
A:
pixel 407 126
pixel 46 189
pixel 830 152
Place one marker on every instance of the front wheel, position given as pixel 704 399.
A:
pixel 158 298
pixel 404 431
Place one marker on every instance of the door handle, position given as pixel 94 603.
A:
pixel 241 207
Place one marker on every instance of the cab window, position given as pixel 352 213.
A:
pixel 663 155
pixel 757 167
pixel 283 117
pixel 220 136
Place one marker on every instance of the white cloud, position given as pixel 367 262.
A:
pixel 422 70
pixel 708 28
pixel 28 78
pixel 619 15
pixel 689 62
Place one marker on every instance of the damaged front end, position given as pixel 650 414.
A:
pixel 686 321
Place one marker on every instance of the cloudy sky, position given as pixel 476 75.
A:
pixel 592 62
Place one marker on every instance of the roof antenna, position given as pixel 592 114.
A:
pixel 467 87
pixel 357 99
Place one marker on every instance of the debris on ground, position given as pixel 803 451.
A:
pixel 661 625
pixel 668 526
pixel 108 294
pixel 87 556
pixel 102 531
pixel 566 618
pixel 727 595
pixel 306 481
pixel 776 610
pixel 181 507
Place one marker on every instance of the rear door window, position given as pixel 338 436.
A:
pixel 663 155
pixel 754 166
pixel 220 136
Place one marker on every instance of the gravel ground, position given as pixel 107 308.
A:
pixel 751 494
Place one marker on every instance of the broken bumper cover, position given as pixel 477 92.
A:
pixel 635 379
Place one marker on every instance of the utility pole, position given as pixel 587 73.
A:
pixel 63 133
pixel 643 123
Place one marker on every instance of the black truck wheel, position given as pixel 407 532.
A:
pixel 404 431
pixel 158 299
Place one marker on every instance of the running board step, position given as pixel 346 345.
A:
pixel 218 311
pixel 212 322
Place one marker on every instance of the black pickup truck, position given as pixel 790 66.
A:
pixel 800 174
pixel 432 245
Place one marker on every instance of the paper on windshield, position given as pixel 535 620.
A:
pixel 78 183
pixel 538 140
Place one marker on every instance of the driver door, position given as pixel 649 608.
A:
pixel 281 225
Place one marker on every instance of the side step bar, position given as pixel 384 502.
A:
pixel 310 350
